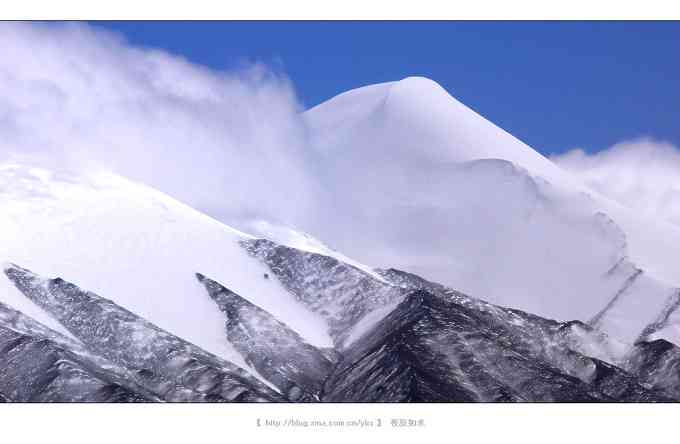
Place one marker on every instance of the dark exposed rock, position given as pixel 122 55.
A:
pixel 34 369
pixel 431 348
pixel 410 280
pixel 657 363
pixel 76 374
pixel 622 386
pixel 418 353
pixel 169 366
pixel 271 347
pixel 39 364
pixel 564 345
pixel 341 293
pixel 388 365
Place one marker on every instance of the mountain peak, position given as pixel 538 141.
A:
pixel 418 87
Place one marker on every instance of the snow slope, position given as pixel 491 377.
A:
pixel 428 185
pixel 137 247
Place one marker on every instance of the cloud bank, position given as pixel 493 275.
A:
pixel 642 174
pixel 74 97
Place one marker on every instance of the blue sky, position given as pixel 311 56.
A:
pixel 555 85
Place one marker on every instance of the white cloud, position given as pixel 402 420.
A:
pixel 85 99
pixel 641 174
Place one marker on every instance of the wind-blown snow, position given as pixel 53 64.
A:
pixel 78 96
pixel 295 239
pixel 369 321
pixel 137 247
pixel 643 175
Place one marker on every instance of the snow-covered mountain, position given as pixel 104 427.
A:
pixel 483 212
pixel 519 282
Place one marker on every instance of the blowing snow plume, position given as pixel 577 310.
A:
pixel 76 98
pixel 641 174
